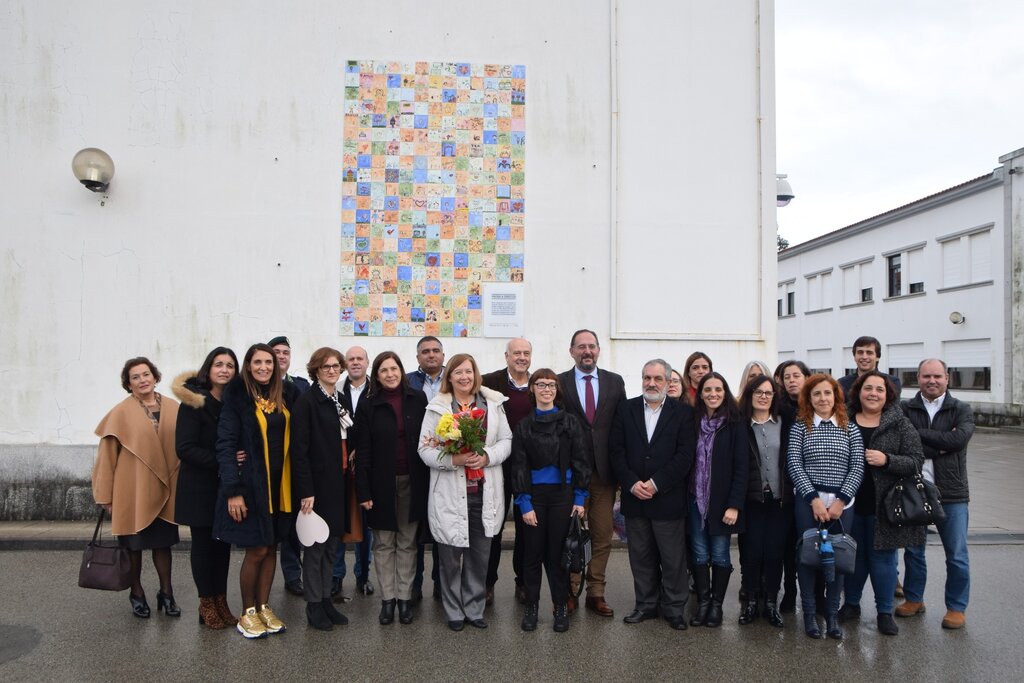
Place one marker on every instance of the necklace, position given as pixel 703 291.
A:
pixel 265 404
pixel 149 413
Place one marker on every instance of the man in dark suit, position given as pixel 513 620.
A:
pixel 513 381
pixel 651 449
pixel 593 395
pixel 351 397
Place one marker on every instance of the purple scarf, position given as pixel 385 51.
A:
pixel 702 468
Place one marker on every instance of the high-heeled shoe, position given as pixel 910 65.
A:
pixel 165 602
pixel 140 608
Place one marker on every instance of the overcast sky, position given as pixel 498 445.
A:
pixel 880 103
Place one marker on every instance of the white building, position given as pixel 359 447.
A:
pixel 649 136
pixel 940 277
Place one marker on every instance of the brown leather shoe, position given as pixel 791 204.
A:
pixel 953 620
pixel 570 604
pixel 910 609
pixel 597 605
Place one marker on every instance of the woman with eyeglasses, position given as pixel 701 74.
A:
pixel 320 464
pixel 675 385
pixel 769 509
pixel 550 468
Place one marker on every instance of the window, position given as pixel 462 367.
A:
pixel 895 274
pixel 970 379
pixel 822 371
pixel 786 299
pixel 856 282
pixel 967 257
pixel 905 271
pixel 819 290
pixel 907 376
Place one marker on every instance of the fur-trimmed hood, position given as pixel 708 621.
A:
pixel 187 390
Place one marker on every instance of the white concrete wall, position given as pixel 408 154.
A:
pixel 222 222
pixel 915 326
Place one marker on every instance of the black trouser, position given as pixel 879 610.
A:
pixel 543 544
pixel 763 546
pixel 517 548
pixel 210 559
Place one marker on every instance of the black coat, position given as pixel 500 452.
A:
pixel 540 441
pixel 666 459
pixel 376 429
pixel 611 390
pixel 195 438
pixel 238 430
pixel 730 472
pixel 317 468
pixel 945 443
pixel 754 484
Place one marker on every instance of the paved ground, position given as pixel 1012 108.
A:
pixel 52 630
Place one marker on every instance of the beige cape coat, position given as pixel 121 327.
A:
pixel 136 467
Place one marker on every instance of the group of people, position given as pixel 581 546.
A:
pixel 438 456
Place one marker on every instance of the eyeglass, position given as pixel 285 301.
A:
pixel 674 381
pixel 764 394
pixel 548 386
pixel 334 367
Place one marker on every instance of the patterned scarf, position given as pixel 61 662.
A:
pixel 702 468
pixel 344 419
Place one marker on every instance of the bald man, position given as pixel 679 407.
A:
pixel 513 381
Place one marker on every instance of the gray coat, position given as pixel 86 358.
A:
pixel 897 438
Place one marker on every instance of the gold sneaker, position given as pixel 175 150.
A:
pixel 250 625
pixel 270 620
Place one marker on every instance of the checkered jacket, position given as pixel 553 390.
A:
pixel 826 458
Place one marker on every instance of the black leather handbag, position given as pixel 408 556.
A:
pixel 914 501
pixel 104 567
pixel 576 552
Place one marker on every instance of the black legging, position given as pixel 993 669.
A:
pixel 210 560
pixel 543 544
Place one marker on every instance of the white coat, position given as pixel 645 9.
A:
pixel 447 511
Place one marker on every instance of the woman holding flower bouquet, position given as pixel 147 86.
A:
pixel 550 469
pixel 464 439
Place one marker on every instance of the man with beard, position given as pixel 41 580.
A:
pixel 593 395
pixel 651 449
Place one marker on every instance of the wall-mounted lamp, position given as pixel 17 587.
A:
pixel 94 168
pixel 783 191
pixel 957 318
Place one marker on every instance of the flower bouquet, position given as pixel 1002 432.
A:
pixel 461 433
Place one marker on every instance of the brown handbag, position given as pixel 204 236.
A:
pixel 104 567
pixel 355 513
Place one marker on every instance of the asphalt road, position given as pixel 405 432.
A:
pixel 52 630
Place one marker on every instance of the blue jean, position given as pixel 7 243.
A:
pixel 362 553
pixel 806 576
pixel 704 545
pixel 953 533
pixel 880 565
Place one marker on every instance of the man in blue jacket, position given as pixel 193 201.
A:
pixel 946 426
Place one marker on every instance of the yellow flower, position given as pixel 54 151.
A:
pixel 444 425
pixel 455 434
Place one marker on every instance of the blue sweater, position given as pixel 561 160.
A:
pixel 826 458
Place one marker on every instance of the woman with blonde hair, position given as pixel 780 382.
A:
pixel 466 506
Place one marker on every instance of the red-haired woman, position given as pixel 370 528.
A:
pixel 825 462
